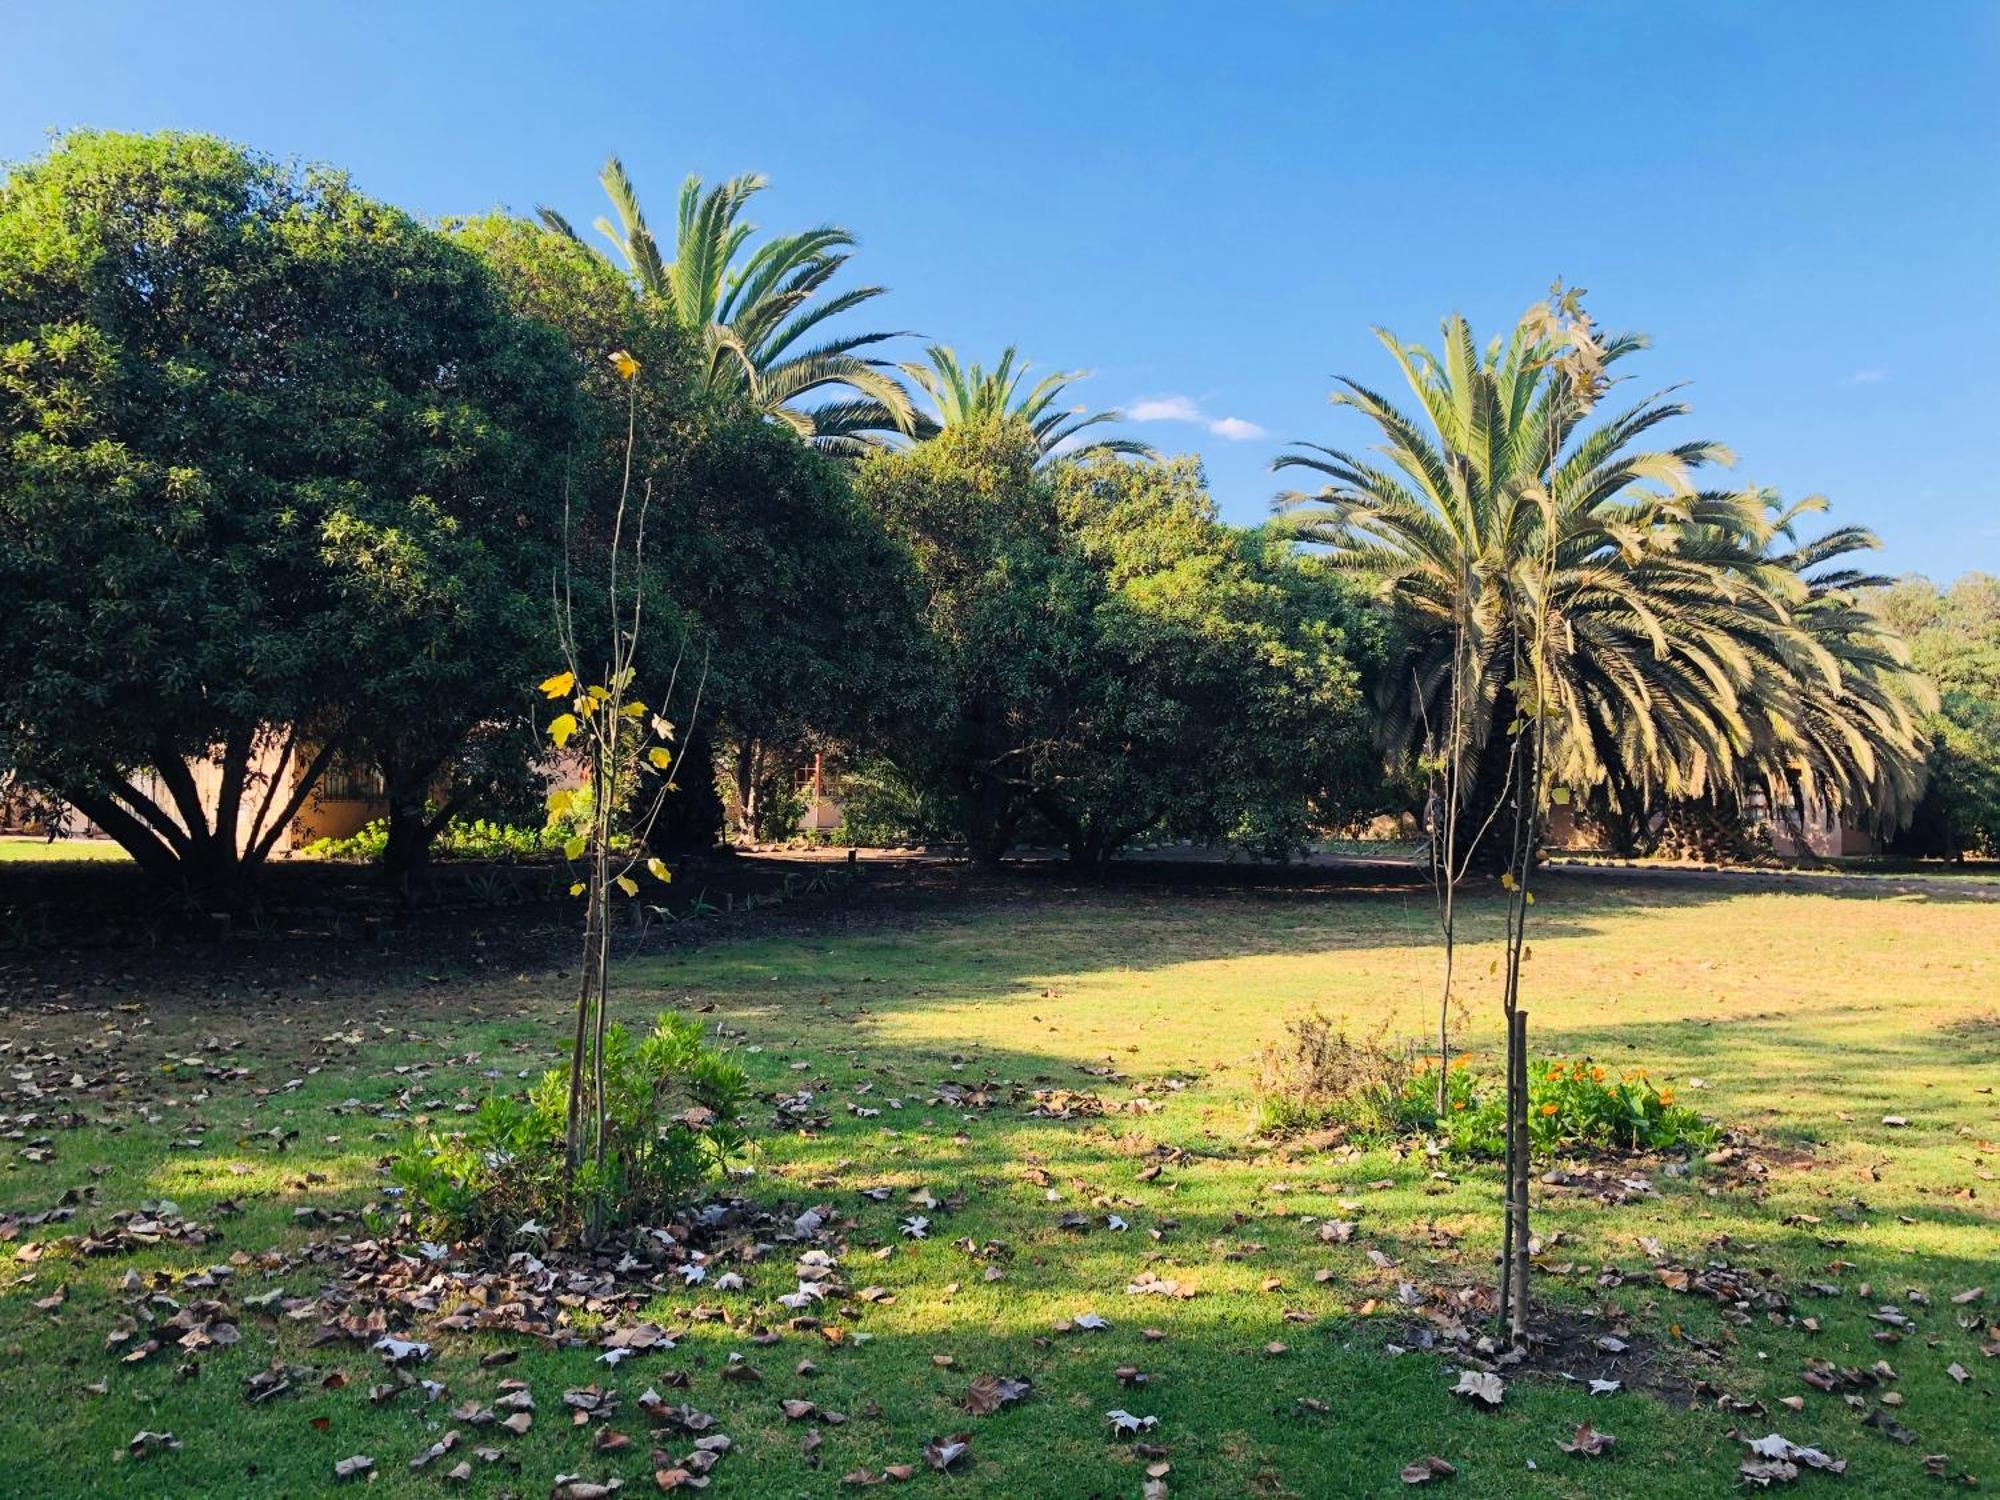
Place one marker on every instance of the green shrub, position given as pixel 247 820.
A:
pixel 474 838
pixel 673 1107
pixel 880 807
pixel 1318 1077
pixel 1574 1105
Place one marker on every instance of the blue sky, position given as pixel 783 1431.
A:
pixel 1208 207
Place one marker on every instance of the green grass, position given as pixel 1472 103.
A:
pixel 1809 1016
pixel 15 850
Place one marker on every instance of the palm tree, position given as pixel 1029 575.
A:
pixel 753 312
pixel 1510 509
pixel 1844 731
pixel 965 394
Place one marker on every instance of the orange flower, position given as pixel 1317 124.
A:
pixel 1666 1096
pixel 1597 1075
pixel 1548 1109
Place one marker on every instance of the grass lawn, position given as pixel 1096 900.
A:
pixel 15 850
pixel 1808 1016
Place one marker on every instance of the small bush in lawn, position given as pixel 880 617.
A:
pixel 1572 1105
pixel 1318 1076
pixel 672 1111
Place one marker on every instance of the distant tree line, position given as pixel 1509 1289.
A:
pixel 291 478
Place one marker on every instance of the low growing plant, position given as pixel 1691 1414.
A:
pixel 1320 1077
pixel 672 1110
pixel 474 838
pixel 1573 1105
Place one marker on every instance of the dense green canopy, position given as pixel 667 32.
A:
pixel 794 604
pixel 1112 661
pixel 1954 637
pixel 277 460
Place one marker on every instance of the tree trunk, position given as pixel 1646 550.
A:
pixel 745 759
pixel 1484 822
pixel 411 831
pixel 410 836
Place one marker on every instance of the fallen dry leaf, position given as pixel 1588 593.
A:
pixel 1588 1441
pixel 989 1393
pixel 1477 1385
pixel 942 1453
pixel 1424 1470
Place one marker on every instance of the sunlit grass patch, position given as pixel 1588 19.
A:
pixel 1803 1018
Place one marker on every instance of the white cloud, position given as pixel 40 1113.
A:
pixel 1867 377
pixel 1164 409
pixel 1186 409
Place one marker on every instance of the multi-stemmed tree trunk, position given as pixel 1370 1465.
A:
pixel 206 845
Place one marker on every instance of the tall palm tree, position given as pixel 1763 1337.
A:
pixel 969 393
pixel 1509 508
pixel 754 311
pixel 1845 731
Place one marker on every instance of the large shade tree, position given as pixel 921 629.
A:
pixel 758 311
pixel 277 474
pixel 1687 654
pixel 1111 662
pixel 765 570
pixel 1954 636
pixel 1222 699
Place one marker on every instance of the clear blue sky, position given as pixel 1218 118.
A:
pixel 1207 207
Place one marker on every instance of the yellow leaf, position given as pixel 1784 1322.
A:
pixel 573 848
pixel 561 727
pixel 661 759
pixel 1529 897
pixel 577 889
pixel 558 685
pixel 657 868
pixel 560 802
pixel 634 710
pixel 624 364
pixel 628 885
pixel 1507 881
pixel 1560 795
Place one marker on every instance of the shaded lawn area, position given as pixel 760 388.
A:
pixel 1807 1016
